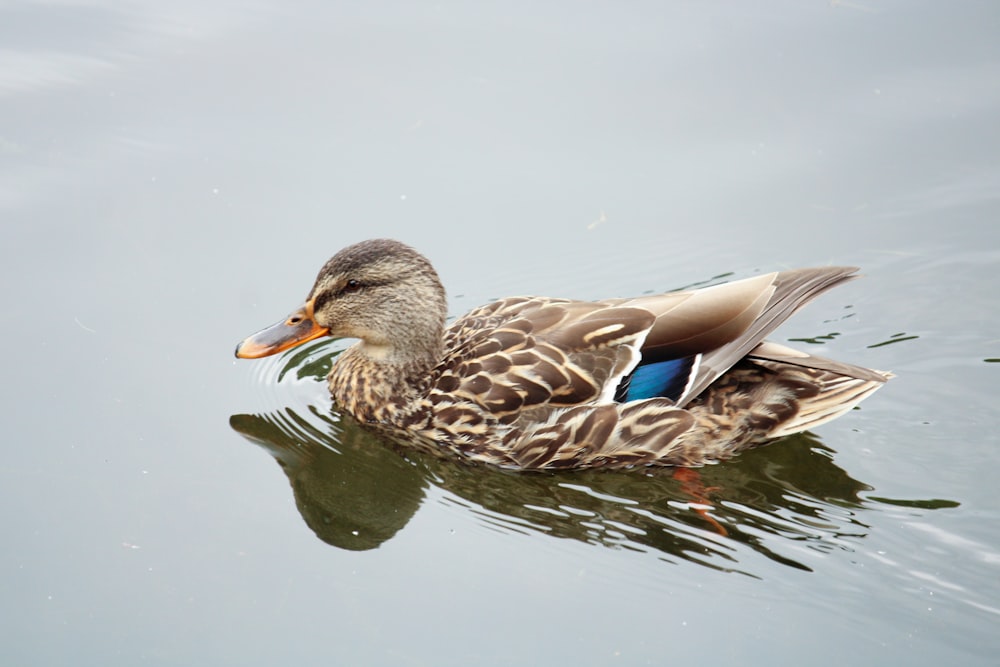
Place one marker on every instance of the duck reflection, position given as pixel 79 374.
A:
pixel 350 489
pixel 355 491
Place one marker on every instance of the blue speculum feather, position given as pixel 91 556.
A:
pixel 662 378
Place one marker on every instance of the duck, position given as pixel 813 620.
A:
pixel 530 383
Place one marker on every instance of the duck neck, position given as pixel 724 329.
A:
pixel 376 383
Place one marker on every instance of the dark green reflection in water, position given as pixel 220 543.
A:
pixel 356 490
pixel 352 491
pixel 894 338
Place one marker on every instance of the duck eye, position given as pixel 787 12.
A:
pixel 352 285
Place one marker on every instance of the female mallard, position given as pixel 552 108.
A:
pixel 680 379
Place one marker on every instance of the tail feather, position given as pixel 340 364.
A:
pixel 837 395
pixel 835 387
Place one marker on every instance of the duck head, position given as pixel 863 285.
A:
pixel 382 292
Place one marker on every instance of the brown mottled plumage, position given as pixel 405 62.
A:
pixel 537 383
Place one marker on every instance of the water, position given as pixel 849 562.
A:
pixel 172 177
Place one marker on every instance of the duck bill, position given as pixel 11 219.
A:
pixel 298 328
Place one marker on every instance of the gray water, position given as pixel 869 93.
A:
pixel 172 176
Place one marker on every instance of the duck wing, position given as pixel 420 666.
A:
pixel 525 353
pixel 715 327
pixel 522 353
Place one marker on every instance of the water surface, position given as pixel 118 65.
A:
pixel 173 176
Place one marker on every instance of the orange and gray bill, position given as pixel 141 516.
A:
pixel 298 328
